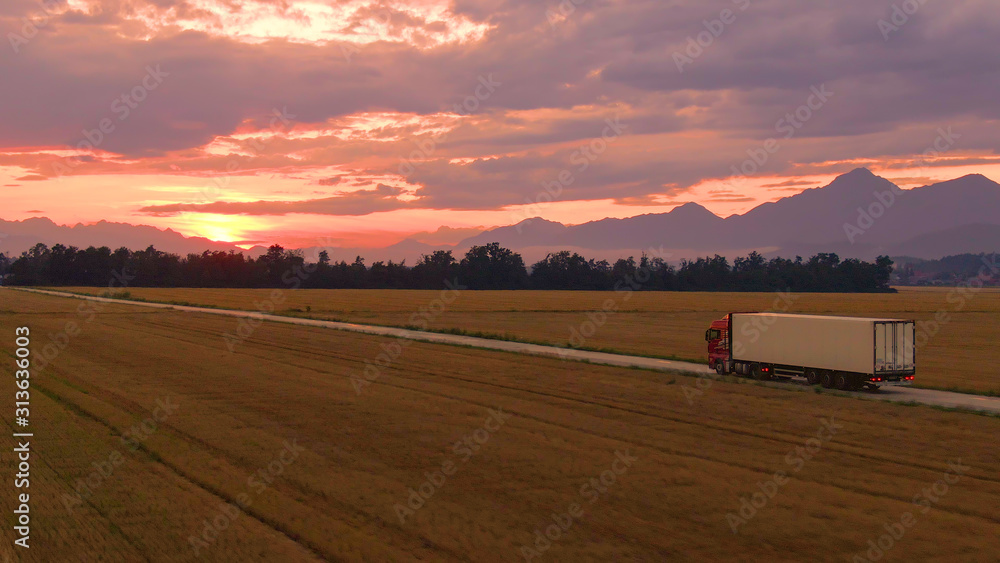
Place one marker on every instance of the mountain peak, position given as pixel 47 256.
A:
pixel 691 209
pixel 537 220
pixel 979 178
pixel 860 172
pixel 969 184
pixel 689 206
pixel 859 179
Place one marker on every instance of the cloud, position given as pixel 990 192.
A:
pixel 400 85
pixel 731 199
pixel 361 202
pixel 448 235
pixel 31 178
pixel 790 184
pixel 643 201
pixel 332 181
pixel 913 181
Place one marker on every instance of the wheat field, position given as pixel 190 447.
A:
pixel 339 458
pixel 952 354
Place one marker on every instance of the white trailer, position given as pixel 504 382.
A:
pixel 841 352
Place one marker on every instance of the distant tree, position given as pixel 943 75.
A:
pixel 883 273
pixel 434 270
pixel 663 277
pixel 564 271
pixel 624 268
pixel 492 266
pixel 705 274
pixel 357 273
pixel 32 267
pixel 751 273
pixel 154 268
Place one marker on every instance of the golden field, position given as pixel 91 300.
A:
pixel 695 456
pixel 663 324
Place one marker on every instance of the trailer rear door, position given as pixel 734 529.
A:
pixel 894 352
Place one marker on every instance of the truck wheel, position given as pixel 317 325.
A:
pixel 812 376
pixel 827 380
pixel 720 368
pixel 840 381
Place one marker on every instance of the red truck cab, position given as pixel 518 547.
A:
pixel 717 337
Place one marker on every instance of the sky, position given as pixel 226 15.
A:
pixel 289 121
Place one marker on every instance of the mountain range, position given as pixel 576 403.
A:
pixel 858 215
pixel 18 236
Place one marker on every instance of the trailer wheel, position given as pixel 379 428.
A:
pixel 840 381
pixel 812 376
pixel 827 380
pixel 857 383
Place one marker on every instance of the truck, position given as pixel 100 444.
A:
pixel 847 353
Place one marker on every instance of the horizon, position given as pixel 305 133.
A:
pixel 369 123
pixel 455 244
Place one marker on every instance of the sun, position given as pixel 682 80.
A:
pixel 233 229
pixel 220 234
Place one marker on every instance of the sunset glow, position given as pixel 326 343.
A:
pixel 423 24
pixel 283 122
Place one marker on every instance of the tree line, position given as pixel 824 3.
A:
pixel 489 266
pixel 951 270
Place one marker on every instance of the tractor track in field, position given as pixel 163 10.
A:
pixel 133 408
pixel 512 392
pixel 185 476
